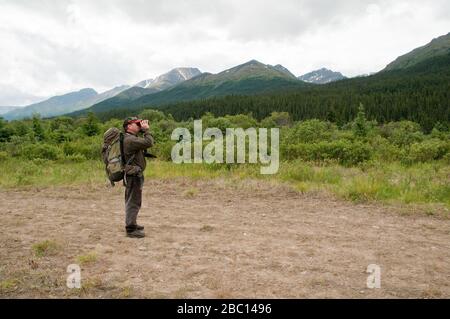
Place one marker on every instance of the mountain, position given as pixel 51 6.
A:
pixel 321 76
pixel 63 104
pixel 252 77
pixel 281 68
pixel 419 93
pixel 169 79
pixel 6 109
pixel 437 47
pixel 145 87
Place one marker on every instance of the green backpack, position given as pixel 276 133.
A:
pixel 112 151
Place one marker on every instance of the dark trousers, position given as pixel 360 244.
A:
pixel 133 200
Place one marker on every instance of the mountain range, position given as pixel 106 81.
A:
pixel 189 84
pixel 6 109
pixel 252 77
pixel 85 98
pixel 249 78
pixel 62 104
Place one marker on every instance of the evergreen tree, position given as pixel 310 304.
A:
pixel 37 128
pixel 91 127
pixel 360 123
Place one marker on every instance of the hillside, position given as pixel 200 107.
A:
pixel 149 86
pixel 249 78
pixel 419 93
pixel 437 47
pixel 62 104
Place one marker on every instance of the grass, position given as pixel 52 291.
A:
pixel 88 258
pixel 191 192
pixel 8 285
pixel 45 248
pixel 23 173
pixel 424 183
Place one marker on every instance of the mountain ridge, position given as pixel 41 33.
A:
pixel 437 47
pixel 63 104
pixel 251 77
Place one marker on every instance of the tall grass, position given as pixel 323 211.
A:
pixel 373 181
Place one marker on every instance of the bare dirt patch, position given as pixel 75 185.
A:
pixel 217 239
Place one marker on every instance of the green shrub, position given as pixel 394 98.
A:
pixel 277 119
pixel 244 121
pixel 41 151
pixel 88 148
pixel 91 126
pixel 152 116
pixel 402 133
pixel 385 151
pixel 310 131
pixel 344 152
pixel 427 151
pixel 163 150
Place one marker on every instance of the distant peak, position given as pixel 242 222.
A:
pixel 88 90
pixel 252 62
pixel 322 76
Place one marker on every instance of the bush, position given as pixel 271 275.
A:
pixel 91 127
pixel 163 150
pixel 152 116
pixel 310 131
pixel 277 119
pixel 41 151
pixel 244 121
pixel 402 133
pixel 344 152
pixel 427 151
pixel 385 151
pixel 89 148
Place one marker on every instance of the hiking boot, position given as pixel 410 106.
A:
pixel 136 234
pixel 131 228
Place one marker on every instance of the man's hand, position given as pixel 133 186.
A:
pixel 144 125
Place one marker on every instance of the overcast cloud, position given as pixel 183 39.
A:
pixel 51 47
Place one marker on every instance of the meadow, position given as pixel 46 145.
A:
pixel 360 161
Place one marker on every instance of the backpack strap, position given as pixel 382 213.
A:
pixel 122 157
pixel 122 153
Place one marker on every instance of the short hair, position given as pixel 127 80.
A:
pixel 129 120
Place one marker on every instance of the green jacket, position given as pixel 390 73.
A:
pixel 135 145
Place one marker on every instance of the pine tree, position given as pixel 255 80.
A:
pixel 37 128
pixel 91 127
pixel 360 123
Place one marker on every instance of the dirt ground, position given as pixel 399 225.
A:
pixel 218 239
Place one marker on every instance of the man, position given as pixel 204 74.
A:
pixel 134 154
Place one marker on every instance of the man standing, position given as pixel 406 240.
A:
pixel 133 149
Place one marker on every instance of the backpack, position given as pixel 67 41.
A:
pixel 112 151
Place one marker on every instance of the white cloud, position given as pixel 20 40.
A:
pixel 54 46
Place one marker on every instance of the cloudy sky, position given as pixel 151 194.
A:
pixel 50 47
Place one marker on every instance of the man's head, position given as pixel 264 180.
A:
pixel 132 125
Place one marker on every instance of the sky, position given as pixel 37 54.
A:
pixel 52 47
